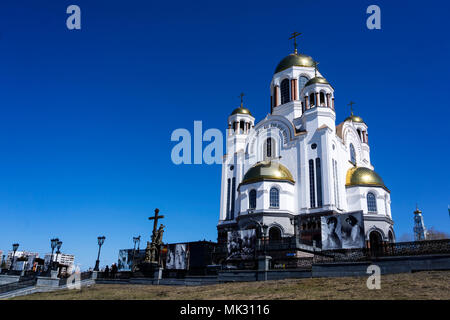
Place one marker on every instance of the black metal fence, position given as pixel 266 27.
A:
pixel 289 246
pixel 399 249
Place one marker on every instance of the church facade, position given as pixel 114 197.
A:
pixel 296 165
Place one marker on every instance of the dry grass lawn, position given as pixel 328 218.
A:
pixel 421 285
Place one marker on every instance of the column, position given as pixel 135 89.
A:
pixel 317 99
pixel 328 100
pixel 332 103
pixel 275 93
pixel 295 89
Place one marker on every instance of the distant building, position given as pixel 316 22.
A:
pixel 66 260
pixel 23 260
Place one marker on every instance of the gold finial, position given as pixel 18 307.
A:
pixel 351 107
pixel 294 36
pixel 315 63
pixel 242 99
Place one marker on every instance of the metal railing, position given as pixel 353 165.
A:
pixel 414 248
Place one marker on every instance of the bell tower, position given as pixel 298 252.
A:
pixel 419 226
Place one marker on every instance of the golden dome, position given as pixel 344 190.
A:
pixel 354 118
pixel 295 59
pixel 241 110
pixel 317 80
pixel 267 170
pixel 361 176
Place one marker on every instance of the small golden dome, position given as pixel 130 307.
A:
pixel 295 59
pixel 241 110
pixel 358 176
pixel 354 118
pixel 317 80
pixel 267 170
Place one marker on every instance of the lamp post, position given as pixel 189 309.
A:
pixel 58 247
pixel 15 247
pixel 100 241
pixel 53 243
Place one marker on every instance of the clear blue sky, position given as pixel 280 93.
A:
pixel 86 116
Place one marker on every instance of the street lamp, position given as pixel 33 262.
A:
pixel 15 247
pixel 53 244
pixel 100 241
pixel 58 247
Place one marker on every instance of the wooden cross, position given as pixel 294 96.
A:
pixel 351 106
pixel 156 217
pixel 242 98
pixel 294 36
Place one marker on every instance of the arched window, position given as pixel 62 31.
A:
pixel 284 88
pixel 269 147
pixel 352 154
pixel 301 83
pixel 274 198
pixel 322 99
pixel 252 199
pixel 391 236
pixel 311 100
pixel 371 202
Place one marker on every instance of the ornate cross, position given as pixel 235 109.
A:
pixel 315 63
pixel 242 98
pixel 351 106
pixel 156 217
pixel 294 36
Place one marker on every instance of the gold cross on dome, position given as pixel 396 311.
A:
pixel 242 98
pixel 351 107
pixel 315 63
pixel 294 36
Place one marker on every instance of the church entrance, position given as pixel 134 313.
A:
pixel 375 242
pixel 274 234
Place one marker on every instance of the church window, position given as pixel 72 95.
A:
pixel 233 196
pixel 301 82
pixel 322 99
pixel 371 202
pixel 311 100
pixel 284 88
pixel 241 126
pixel 252 199
pixel 352 154
pixel 228 197
pixel 274 198
pixel 319 182
pixel 314 146
pixel 312 194
pixel 269 146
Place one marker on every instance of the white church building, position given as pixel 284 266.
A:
pixel 296 164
